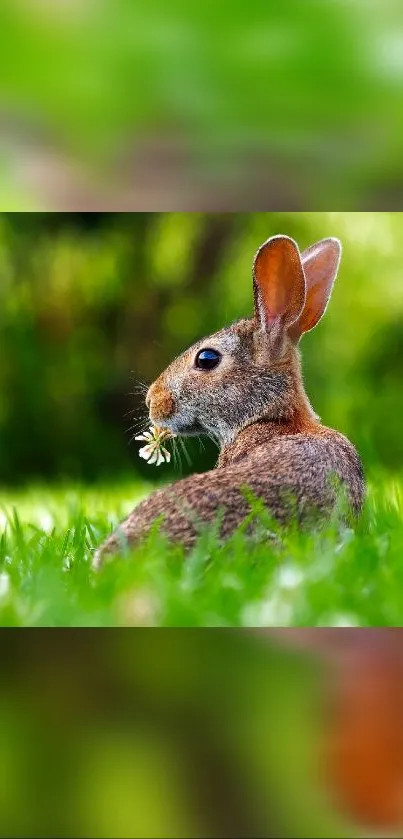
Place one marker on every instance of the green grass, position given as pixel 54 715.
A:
pixel 339 577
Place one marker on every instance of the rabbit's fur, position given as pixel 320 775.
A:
pixel 254 404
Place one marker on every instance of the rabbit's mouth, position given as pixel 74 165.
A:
pixel 184 428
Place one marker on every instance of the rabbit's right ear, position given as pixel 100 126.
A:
pixel 279 286
pixel 321 262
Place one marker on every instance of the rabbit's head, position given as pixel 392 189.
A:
pixel 250 370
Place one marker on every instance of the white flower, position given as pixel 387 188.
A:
pixel 147 435
pixel 154 451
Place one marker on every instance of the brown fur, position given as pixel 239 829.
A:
pixel 255 405
pixel 163 403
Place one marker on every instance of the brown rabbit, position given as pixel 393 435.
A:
pixel 243 386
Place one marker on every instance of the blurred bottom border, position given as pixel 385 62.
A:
pixel 210 733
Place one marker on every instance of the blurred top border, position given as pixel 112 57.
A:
pixel 163 107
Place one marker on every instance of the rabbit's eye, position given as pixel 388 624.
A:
pixel 207 359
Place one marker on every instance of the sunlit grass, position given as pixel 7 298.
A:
pixel 348 577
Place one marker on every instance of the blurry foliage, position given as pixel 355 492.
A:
pixel 155 104
pixel 171 736
pixel 92 303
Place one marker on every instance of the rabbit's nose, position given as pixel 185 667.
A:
pixel 160 402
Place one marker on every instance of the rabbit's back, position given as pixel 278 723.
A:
pixel 308 468
pixel 290 474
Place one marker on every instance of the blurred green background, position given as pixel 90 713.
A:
pixel 121 105
pixel 90 304
pixel 168 734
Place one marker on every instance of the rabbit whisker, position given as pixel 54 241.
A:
pixel 176 455
pixel 185 451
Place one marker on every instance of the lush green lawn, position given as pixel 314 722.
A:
pixel 336 578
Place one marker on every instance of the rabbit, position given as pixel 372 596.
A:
pixel 243 386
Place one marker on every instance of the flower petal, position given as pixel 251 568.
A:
pixel 146 452
pixel 145 435
pixel 166 454
pixel 154 457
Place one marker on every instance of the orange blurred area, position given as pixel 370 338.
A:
pixel 115 105
pixel 220 733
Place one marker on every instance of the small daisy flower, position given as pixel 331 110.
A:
pixel 154 452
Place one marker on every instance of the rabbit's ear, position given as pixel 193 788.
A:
pixel 279 285
pixel 321 262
